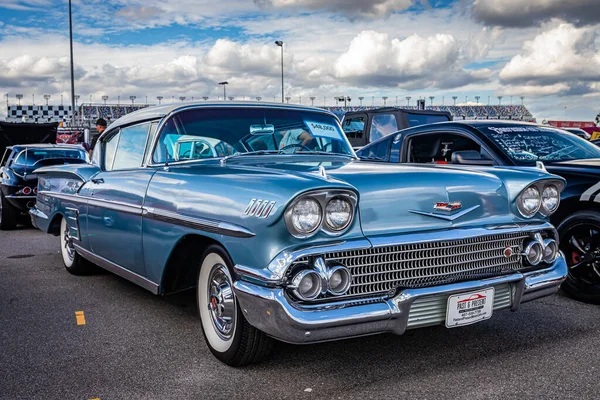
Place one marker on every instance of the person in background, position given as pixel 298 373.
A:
pixel 100 127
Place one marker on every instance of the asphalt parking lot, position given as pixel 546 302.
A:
pixel 134 345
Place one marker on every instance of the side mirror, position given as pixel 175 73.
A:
pixel 470 157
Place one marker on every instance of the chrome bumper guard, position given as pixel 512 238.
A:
pixel 270 310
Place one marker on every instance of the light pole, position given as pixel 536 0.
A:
pixel 396 100
pixel 204 98
pixel 224 84
pixel 312 100
pixel 384 100
pixel 499 100
pixel 408 101
pixel 288 99
pixel 33 99
pixel 146 103
pixel 132 98
pixel 90 99
pixel 104 98
pixel 47 97
pixel 19 97
pixel 466 101
pixel 118 100
pixel 258 98
pixel 522 98
pixel 61 99
pixel 477 99
pixel 489 100
pixel 454 98
pixel 324 101
pixel 361 98
pixel 373 101
pixel 182 98
pixel 442 100
pixel 511 100
pixel 345 99
pixel 280 44
pixel 159 98
pixel 300 98
pixel 72 68
pixel 431 99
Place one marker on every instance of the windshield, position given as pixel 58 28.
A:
pixel 526 144
pixel 31 156
pixel 211 133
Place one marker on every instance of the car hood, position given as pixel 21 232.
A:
pixel 396 199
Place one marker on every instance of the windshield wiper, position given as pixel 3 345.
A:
pixel 324 153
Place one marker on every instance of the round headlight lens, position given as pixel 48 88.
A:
pixel 550 199
pixel 306 216
pixel 307 285
pixel 338 213
pixel 529 201
pixel 339 280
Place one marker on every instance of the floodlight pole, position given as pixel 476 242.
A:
pixel 72 69
pixel 280 44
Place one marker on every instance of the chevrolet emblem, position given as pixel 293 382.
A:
pixel 445 206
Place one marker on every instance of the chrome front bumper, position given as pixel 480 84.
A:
pixel 270 310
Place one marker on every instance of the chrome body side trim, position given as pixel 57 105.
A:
pixel 207 225
pixel 107 204
pixel 16 196
pixel 271 311
pixel 117 269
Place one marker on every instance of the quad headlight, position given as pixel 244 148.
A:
pixel 331 212
pixel 550 200
pixel 542 196
pixel 338 214
pixel 529 201
pixel 306 216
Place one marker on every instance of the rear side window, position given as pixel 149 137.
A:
pixel 422 119
pixel 382 125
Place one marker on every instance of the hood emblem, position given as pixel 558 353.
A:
pixel 446 206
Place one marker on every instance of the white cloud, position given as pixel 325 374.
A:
pixel 375 59
pixel 352 8
pixel 524 13
pixel 562 59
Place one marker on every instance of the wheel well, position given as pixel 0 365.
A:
pixel 54 227
pixel 571 205
pixel 182 266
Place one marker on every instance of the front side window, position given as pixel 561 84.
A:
pixel 130 147
pixel 212 133
pixel 438 147
pixel 354 127
pixel 383 124
pixel 526 144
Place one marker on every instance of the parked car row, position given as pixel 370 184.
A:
pixel 286 234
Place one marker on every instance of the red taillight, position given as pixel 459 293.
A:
pixel 26 190
pixel 34 190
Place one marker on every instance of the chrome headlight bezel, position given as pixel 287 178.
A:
pixel 322 197
pixel 326 217
pixel 540 186
pixel 545 211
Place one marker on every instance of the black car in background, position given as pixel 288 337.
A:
pixel 366 126
pixel 18 183
pixel 517 144
pixel 579 132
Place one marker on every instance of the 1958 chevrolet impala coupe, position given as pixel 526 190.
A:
pixel 285 234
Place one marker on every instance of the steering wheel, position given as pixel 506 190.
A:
pixel 291 146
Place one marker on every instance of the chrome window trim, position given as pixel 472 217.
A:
pixel 117 269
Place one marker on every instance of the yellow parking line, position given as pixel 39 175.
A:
pixel 80 317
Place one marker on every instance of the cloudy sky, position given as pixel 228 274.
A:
pixel 545 50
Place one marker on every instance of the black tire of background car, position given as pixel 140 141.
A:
pixel 578 225
pixel 80 265
pixel 9 215
pixel 250 346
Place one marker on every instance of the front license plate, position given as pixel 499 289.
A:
pixel 468 308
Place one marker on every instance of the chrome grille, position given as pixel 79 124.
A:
pixel 382 270
pixel 431 310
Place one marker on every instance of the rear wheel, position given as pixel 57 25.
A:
pixel 228 335
pixel 9 215
pixel 580 241
pixel 73 262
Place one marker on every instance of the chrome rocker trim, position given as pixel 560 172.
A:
pixel 269 309
pixel 117 269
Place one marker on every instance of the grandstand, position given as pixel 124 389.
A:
pixel 514 112
pixel 88 113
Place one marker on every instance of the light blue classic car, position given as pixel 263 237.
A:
pixel 285 234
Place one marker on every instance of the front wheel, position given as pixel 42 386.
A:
pixel 228 335
pixel 580 241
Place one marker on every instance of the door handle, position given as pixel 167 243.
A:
pixel 98 181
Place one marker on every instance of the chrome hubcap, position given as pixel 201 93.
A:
pixel 68 244
pixel 221 301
